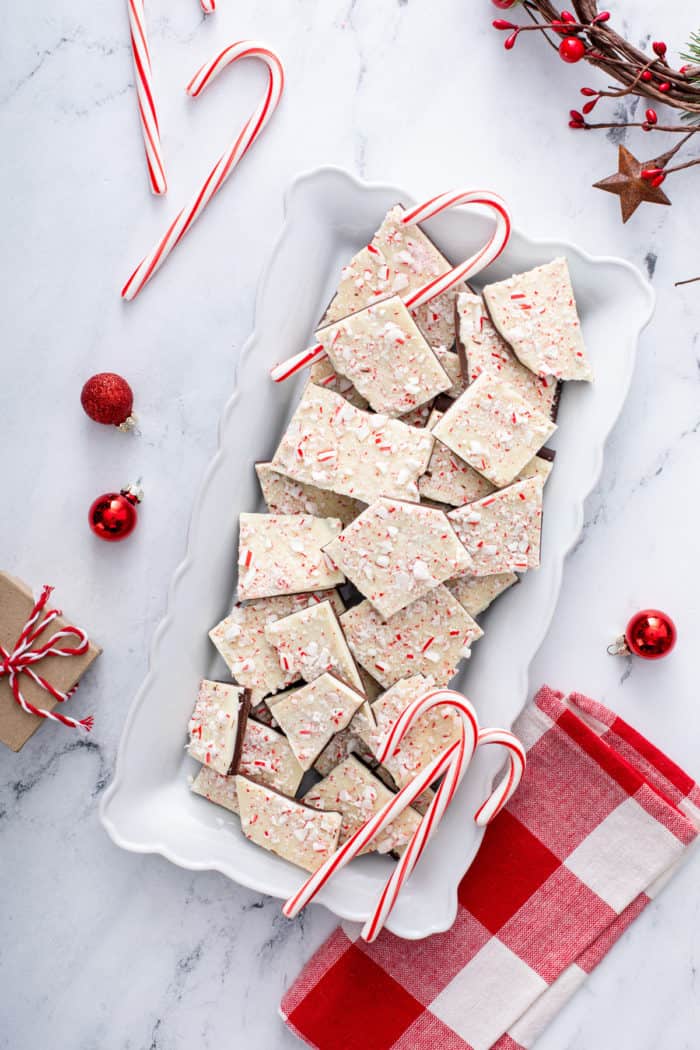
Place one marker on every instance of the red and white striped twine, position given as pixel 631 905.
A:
pixel 146 98
pixel 453 763
pixel 226 163
pixel 208 6
pixel 469 268
pixel 19 661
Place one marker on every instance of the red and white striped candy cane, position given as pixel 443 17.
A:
pixel 469 268
pixel 444 794
pixel 146 98
pixel 208 6
pixel 226 163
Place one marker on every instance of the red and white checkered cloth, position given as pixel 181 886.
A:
pixel 601 821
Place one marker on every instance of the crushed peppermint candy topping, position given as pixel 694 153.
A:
pixel 311 715
pixel 502 531
pixel 282 554
pixel 283 495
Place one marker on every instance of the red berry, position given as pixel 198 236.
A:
pixel 647 75
pixel 566 16
pixel 646 127
pixel 651 116
pixel 590 106
pixel 650 173
pixel 575 115
pixel 504 5
pixel 665 86
pixel 659 48
pixel 602 17
pixel 510 41
pixel 588 92
pixel 500 23
pixel 657 180
pixel 572 49
pixel 576 124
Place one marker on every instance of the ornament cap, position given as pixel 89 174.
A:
pixel 133 491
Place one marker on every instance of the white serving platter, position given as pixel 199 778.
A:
pixel 148 807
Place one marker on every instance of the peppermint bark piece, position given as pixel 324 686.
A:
pixel 475 593
pixel 430 735
pixel 322 373
pixel 357 794
pixel 333 445
pixel 395 552
pixel 347 742
pixel 399 260
pixel 452 364
pixel 310 642
pixel 283 554
pixel 430 637
pixel 494 429
pixel 311 715
pixel 295 832
pixel 448 478
pixel 216 725
pixel 535 312
pixel 266 756
pixel 216 788
pixel 285 496
pixel 385 356
pixel 481 349
pixel 502 531
pixel 251 659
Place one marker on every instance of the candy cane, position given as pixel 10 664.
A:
pixel 146 99
pixel 226 163
pixel 443 796
pixel 208 6
pixel 469 268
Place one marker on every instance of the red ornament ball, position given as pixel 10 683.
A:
pixel 504 5
pixel 650 634
pixel 572 49
pixel 108 398
pixel 113 515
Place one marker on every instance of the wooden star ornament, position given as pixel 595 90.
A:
pixel 629 185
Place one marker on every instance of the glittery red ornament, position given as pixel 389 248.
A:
pixel 113 516
pixel 108 398
pixel 650 634
pixel 572 49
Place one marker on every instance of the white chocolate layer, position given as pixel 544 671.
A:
pixel 448 478
pixel 536 313
pixel 311 715
pixel 267 757
pixel 485 351
pixel 335 446
pixel 494 429
pixel 285 496
pixel 502 531
pixel 240 639
pixel 297 833
pixel 475 593
pixel 395 552
pixel 357 794
pixel 399 260
pixel 310 642
pixel 430 637
pixel 213 725
pixel 385 356
pixel 283 554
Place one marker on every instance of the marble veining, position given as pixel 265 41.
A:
pixel 100 948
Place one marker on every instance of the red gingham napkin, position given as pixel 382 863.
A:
pixel 598 825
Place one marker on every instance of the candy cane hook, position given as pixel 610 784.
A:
pixel 469 268
pixel 146 98
pixel 228 160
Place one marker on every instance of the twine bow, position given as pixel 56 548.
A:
pixel 18 662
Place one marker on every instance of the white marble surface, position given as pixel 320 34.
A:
pixel 99 948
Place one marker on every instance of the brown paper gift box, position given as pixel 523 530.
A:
pixel 16 604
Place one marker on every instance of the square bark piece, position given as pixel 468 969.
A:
pixel 475 593
pixel 312 715
pixel 267 757
pixel 251 659
pixel 214 725
pixel 430 637
pixel 494 429
pixel 333 445
pixel 483 350
pixel 310 642
pixel 448 478
pixel 399 259
pixel 395 552
pixel 297 833
pixel 502 531
pixel 282 554
pixel 535 312
pixel 384 354
pixel 357 794
pixel 283 495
